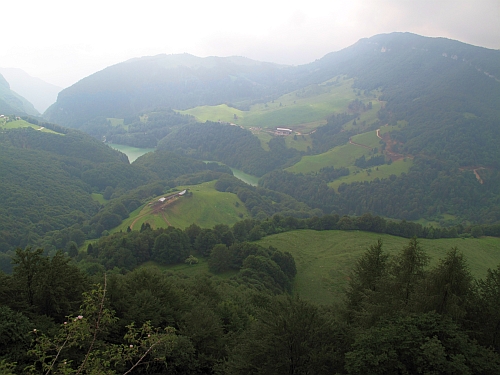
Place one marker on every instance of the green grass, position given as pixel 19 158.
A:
pixel 220 112
pixel 206 207
pixel 189 270
pixel 369 139
pixel 302 110
pixel 440 221
pixel 390 128
pixel 264 137
pixel 247 178
pixel 324 259
pixel 346 155
pixel 384 171
pixel 99 198
pixel 298 142
pixel 23 124
pixel 132 152
pixel 340 156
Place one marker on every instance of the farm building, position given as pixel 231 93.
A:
pixel 283 131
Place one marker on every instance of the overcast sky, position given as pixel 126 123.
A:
pixel 64 41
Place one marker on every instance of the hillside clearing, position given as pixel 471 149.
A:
pixel 206 208
pixel 324 259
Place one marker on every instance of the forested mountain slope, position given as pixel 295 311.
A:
pixel 12 103
pixel 169 81
pixel 40 93
pixel 447 91
pixel 45 182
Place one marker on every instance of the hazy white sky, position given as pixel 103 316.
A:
pixel 63 41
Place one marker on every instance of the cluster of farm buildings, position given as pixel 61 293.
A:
pixel 283 131
pixel 169 197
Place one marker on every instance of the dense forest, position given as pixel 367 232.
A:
pixel 231 145
pixel 400 315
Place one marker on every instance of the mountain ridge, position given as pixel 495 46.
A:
pixel 11 103
pixel 38 92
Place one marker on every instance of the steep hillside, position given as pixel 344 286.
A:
pixel 40 93
pixel 447 91
pixel 12 103
pixel 45 184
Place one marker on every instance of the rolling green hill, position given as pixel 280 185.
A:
pixel 324 259
pixel 206 207
pixel 45 183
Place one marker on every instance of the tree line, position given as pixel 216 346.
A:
pixel 398 315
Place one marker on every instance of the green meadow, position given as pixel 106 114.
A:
pixel 247 178
pixel 340 156
pixel 206 207
pixel 302 110
pixel 370 174
pixel 132 152
pixel 368 139
pixel 99 198
pixel 324 259
pixel 23 124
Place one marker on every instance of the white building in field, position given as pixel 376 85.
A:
pixel 283 131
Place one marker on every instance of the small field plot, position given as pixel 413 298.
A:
pixel 368 139
pixel 191 270
pixel 245 177
pixel 206 207
pixel 264 137
pixel 23 124
pixel 370 174
pixel 390 128
pixel 298 142
pixel 132 152
pixel 325 259
pixel 341 156
pixel 215 113
pixel 99 198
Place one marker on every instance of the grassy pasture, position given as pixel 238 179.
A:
pixel 189 270
pixel 247 178
pixel 303 110
pixel 324 259
pixel 206 207
pixel 99 198
pixel 220 112
pixel 340 156
pixel 384 171
pixel 390 128
pixel 369 139
pixel 300 143
pixel 132 152
pixel 264 137
pixel 23 124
